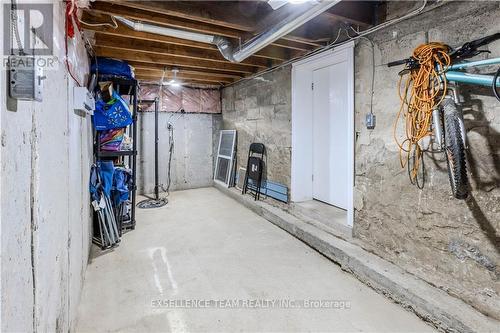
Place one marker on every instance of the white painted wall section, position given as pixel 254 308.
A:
pixel 303 125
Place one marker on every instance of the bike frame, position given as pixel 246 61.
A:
pixel 453 73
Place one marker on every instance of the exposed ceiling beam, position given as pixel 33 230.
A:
pixel 187 81
pixel 181 23
pixel 173 50
pixel 229 14
pixel 355 12
pixel 167 75
pixel 144 56
pixel 185 70
pixel 161 19
pixel 154 74
pixel 124 31
pixel 270 52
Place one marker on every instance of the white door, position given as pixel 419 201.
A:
pixel 330 135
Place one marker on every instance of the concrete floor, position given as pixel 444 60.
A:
pixel 205 246
pixel 326 217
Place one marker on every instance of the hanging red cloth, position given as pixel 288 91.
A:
pixel 71 19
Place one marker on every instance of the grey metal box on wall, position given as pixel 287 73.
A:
pixel 25 78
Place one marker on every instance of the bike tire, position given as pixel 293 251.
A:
pixel 455 151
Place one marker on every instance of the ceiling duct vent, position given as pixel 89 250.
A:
pixel 236 53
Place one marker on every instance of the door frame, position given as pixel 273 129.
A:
pixel 302 123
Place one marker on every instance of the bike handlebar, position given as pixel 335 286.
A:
pixel 485 40
pixel 469 49
pixel 397 63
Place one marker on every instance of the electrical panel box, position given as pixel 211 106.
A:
pixel 83 100
pixel 25 78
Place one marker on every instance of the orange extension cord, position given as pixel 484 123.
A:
pixel 421 94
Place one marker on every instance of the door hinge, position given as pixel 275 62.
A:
pixel 312 177
pixel 312 86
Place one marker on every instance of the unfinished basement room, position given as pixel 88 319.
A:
pixel 250 166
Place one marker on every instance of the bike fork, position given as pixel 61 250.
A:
pixel 437 118
pixel 438 126
pixel 455 94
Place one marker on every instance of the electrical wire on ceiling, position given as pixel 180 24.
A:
pixel 112 24
pixel 333 45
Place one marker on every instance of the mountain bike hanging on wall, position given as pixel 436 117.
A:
pixel 431 104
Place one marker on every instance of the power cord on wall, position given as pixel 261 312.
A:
pixel 15 29
pixel 370 117
pixel 171 145
pixel 332 45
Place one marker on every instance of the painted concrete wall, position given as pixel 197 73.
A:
pixel 452 244
pixel 45 210
pixel 192 158
pixel 260 110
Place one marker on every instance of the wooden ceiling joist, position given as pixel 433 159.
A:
pixel 229 14
pixel 183 82
pixel 153 55
pixel 270 52
pixel 157 75
pixel 173 50
pixel 157 18
pixel 358 13
pixel 139 66
pixel 145 56
pixel 224 14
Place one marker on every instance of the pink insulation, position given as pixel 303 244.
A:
pixel 191 101
pixel 173 99
pixel 210 101
pixel 148 93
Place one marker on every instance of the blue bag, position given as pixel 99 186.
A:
pixel 111 67
pixel 110 116
pixel 106 171
pixel 121 181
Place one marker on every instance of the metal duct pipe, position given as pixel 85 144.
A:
pixel 277 31
pixel 250 47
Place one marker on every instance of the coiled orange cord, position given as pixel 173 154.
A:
pixel 424 89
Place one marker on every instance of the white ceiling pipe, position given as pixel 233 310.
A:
pixel 255 44
pixel 159 30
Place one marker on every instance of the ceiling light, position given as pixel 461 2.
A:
pixel 276 4
pixel 174 82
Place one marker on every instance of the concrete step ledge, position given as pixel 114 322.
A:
pixel 431 304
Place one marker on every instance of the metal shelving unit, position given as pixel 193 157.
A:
pixel 124 87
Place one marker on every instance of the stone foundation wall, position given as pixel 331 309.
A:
pixel 260 110
pixel 450 243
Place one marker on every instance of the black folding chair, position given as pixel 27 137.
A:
pixel 255 167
